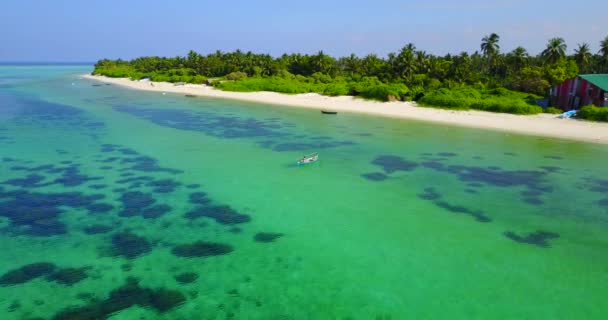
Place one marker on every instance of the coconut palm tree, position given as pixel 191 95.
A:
pixel 489 45
pixel 490 49
pixel 604 52
pixel 604 47
pixel 556 50
pixel 583 56
pixel 405 63
pixel 519 56
pixel 422 62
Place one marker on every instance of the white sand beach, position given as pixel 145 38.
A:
pixel 545 125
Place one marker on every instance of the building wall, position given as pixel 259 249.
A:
pixel 576 93
pixel 563 94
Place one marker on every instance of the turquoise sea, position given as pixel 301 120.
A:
pixel 119 204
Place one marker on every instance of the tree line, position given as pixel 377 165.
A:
pixel 409 74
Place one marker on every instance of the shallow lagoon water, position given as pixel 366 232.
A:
pixel 121 204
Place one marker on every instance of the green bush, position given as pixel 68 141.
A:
pixel 236 76
pixel 552 110
pixel 385 92
pixel 593 113
pixel 336 89
pixel 494 100
pixel 275 84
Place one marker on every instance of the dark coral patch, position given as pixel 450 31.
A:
pixel 186 277
pixel 108 147
pixel 129 245
pixel 38 214
pixel 97 229
pixel 478 215
pixel 136 199
pixel 447 154
pixel 435 165
pixel 163 186
pixel 124 297
pixel 500 178
pixel 235 230
pixel 430 194
pixel 392 164
pixel 99 207
pixel 130 212
pixel 26 273
pixel 98 186
pixel 68 276
pixel 134 179
pixel 201 249
pixel 199 198
pixel 72 177
pixel 267 236
pixel 599 185
pixel 109 159
pixel 127 151
pixel 14 306
pixel 232 127
pixel 375 176
pixel 156 211
pixel 221 214
pixel 30 181
pixel 538 238
pixel 554 157
pixel 147 164
pixel 193 186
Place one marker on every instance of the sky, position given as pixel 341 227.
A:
pixel 88 30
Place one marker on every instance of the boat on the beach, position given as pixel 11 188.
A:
pixel 310 158
pixel 329 112
pixel 568 114
pixel 190 96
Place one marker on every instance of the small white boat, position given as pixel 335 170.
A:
pixel 313 157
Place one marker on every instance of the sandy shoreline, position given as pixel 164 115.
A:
pixel 538 125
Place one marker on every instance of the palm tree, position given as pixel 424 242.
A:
pixel 604 51
pixel 405 62
pixel 489 45
pixel 422 62
pixel 604 47
pixel 519 57
pixel 490 49
pixel 556 50
pixel 582 55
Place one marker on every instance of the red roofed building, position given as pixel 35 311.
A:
pixel 583 90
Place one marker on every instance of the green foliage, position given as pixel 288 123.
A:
pixel 178 75
pixel 369 88
pixel 337 89
pixel 275 84
pixel 237 75
pixel 385 92
pixel 495 100
pixel 552 110
pixel 593 113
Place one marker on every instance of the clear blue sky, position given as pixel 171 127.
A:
pixel 86 30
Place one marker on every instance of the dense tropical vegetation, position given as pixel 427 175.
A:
pixel 487 80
